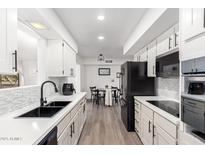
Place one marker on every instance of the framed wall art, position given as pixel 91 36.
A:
pixel 104 71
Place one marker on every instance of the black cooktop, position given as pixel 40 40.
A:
pixel 168 106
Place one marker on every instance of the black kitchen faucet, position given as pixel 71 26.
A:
pixel 42 85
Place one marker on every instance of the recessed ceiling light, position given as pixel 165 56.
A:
pixel 38 25
pixel 101 17
pixel 100 37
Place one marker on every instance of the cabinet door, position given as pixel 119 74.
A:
pixel 66 136
pixel 161 137
pixel 198 21
pixel 143 55
pixel 200 65
pixel 188 66
pixel 151 66
pixel 146 129
pixel 8 39
pixel 136 57
pixel 176 36
pixel 84 113
pixel 3 49
pixel 192 22
pixel 11 37
pixel 55 58
pixel 186 22
pixel 164 46
pixel 75 131
pixel 69 60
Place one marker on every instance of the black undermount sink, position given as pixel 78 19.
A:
pixel 42 112
pixel 46 111
pixel 59 103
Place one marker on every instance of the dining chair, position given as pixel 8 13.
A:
pixel 92 93
pixel 114 91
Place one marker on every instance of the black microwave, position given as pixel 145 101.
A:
pixel 168 66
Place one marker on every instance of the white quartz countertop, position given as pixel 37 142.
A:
pixel 168 116
pixel 33 130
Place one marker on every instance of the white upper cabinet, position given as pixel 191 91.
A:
pixel 69 60
pixel 143 55
pixel 151 61
pixel 168 41
pixel 192 33
pixel 164 46
pixel 176 36
pixel 61 59
pixel 8 40
pixel 192 20
pixel 137 56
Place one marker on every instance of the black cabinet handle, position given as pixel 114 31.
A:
pixel 153 127
pixel 71 130
pixel 149 127
pixel 15 61
pixel 73 127
pixel 84 108
pixel 175 39
pixel 169 43
pixel 204 17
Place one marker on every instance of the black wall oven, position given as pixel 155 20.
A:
pixel 193 113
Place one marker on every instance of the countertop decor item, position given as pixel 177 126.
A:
pixel 8 81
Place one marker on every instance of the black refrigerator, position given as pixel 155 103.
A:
pixel 134 82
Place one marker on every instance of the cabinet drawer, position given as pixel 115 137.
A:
pixel 137 124
pixel 137 115
pixel 161 137
pixel 137 105
pixel 147 111
pixel 166 125
pixel 75 110
pixel 63 124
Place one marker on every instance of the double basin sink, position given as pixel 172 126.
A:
pixel 46 111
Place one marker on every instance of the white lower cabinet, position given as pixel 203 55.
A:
pixel 137 118
pixel 69 130
pixel 66 136
pixel 154 128
pixel 146 125
pixel 146 129
pixel 161 137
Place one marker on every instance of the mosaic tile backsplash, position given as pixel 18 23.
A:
pixel 12 99
pixel 168 87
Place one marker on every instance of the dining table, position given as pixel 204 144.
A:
pixel 108 96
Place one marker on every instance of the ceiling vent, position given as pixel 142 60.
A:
pixel 108 61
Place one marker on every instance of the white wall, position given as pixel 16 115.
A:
pixel 30 74
pixel 27 55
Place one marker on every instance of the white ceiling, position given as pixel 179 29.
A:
pixel 28 15
pixel 82 23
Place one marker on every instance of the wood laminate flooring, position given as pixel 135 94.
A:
pixel 104 127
